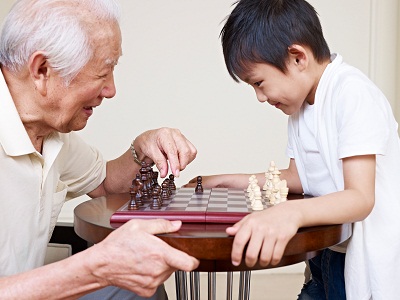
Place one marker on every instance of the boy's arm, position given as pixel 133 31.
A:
pixel 268 232
pixel 352 204
pixel 241 181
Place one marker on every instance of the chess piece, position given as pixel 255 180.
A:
pixel 199 188
pixel 284 193
pixel 172 186
pixel 164 191
pixel 133 205
pixel 154 178
pixel 155 204
pixel 272 199
pixel 143 177
pixel 278 197
pixel 276 177
pixel 257 203
pixel 251 180
pixel 166 180
pixel 149 181
pixel 137 186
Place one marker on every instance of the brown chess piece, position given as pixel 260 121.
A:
pixel 166 180
pixel 199 187
pixel 164 191
pixel 172 186
pixel 155 204
pixel 139 187
pixel 133 205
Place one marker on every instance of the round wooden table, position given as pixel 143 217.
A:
pixel 207 242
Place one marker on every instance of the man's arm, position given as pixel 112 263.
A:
pixel 131 257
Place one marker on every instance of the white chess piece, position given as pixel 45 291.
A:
pixel 265 186
pixel 271 166
pixel 251 180
pixel 277 196
pixel 257 204
pixel 284 192
pixel 276 178
pixel 272 198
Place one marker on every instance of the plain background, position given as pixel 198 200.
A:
pixel 172 74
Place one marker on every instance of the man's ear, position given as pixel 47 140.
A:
pixel 298 56
pixel 39 70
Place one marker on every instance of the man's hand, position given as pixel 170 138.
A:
pixel 132 258
pixel 165 144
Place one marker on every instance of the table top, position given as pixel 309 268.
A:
pixel 207 242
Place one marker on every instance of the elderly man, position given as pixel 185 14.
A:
pixel 57 60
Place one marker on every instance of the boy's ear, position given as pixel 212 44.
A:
pixel 39 70
pixel 298 56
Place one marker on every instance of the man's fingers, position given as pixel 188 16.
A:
pixel 158 226
pixel 181 261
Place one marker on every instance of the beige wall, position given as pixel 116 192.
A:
pixel 172 72
pixel 398 66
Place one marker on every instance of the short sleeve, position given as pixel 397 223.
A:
pixel 84 168
pixel 362 120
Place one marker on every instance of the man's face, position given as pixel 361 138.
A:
pixel 286 91
pixel 69 108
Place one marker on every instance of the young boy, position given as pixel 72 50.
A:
pixel 343 146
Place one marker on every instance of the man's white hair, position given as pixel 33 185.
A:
pixel 56 27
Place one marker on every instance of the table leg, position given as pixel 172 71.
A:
pixel 247 285
pixel 229 284
pixel 212 286
pixel 180 285
pixel 194 286
pixel 244 285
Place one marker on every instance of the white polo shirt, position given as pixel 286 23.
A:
pixel 34 186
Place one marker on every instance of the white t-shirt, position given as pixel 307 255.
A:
pixel 319 181
pixel 34 186
pixel 352 117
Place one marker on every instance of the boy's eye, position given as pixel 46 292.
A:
pixel 258 83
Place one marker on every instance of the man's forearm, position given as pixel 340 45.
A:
pixel 66 279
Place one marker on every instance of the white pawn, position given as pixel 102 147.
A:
pixel 276 178
pixel 251 180
pixel 284 192
pixel 265 186
pixel 268 183
pixel 253 187
pixel 272 199
pixel 257 204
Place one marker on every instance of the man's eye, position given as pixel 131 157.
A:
pixel 258 83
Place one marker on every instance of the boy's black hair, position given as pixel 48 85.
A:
pixel 260 31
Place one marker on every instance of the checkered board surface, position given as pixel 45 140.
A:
pixel 217 205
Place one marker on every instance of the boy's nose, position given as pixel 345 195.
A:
pixel 261 96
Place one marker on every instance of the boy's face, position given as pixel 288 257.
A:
pixel 286 91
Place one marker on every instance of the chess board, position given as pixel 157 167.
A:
pixel 216 205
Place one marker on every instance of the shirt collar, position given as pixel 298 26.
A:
pixel 13 137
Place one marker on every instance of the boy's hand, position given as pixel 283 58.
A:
pixel 212 181
pixel 221 181
pixel 266 233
